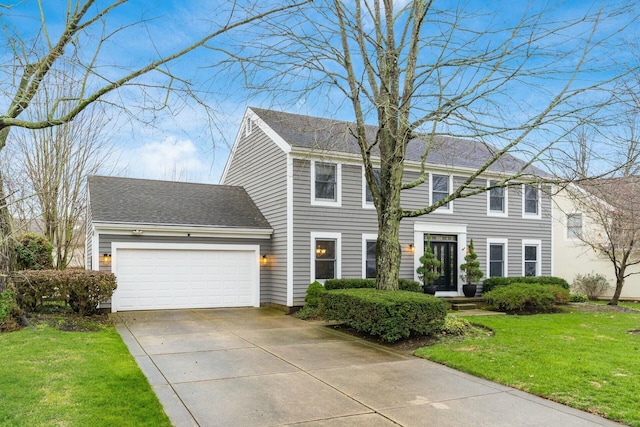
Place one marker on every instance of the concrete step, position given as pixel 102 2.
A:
pixel 464 306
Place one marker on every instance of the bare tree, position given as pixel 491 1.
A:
pixel 427 69
pixel 79 41
pixel 56 161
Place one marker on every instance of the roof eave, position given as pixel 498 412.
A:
pixel 150 229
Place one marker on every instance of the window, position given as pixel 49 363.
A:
pixel 439 189
pixel 531 258
pixel 531 200
pixel 574 226
pixel 368 197
pixel 370 260
pixel 325 256
pixel 496 260
pixel 497 250
pixel 325 184
pixel 325 259
pixel 497 200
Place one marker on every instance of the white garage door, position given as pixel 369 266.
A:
pixel 159 278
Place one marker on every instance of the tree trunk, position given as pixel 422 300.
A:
pixel 618 291
pixel 6 243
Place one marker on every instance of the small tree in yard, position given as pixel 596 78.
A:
pixel 471 272
pixel 429 265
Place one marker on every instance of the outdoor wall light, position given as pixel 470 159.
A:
pixel 106 259
pixel 412 248
pixel 264 259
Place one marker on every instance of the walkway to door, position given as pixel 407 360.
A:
pixel 260 367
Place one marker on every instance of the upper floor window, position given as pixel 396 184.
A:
pixel 440 187
pixel 497 200
pixel 531 201
pixel 368 197
pixel 574 226
pixel 325 183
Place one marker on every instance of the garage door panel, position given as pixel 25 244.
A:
pixel 174 278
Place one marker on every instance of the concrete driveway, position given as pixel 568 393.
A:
pixel 259 367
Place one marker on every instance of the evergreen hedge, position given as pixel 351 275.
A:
pixel 403 284
pixel 495 282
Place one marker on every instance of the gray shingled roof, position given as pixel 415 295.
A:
pixel 143 201
pixel 325 135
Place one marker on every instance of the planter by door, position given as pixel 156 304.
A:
pixel 469 290
pixel 430 289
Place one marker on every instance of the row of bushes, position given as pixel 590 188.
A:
pixel 496 282
pixel 527 297
pixel 403 284
pixel 82 290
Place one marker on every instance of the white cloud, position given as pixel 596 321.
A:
pixel 170 159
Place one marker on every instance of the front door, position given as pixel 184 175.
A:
pixel 445 249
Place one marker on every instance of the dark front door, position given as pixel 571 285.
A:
pixel 445 249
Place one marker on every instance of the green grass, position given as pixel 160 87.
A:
pixel 585 360
pixel 54 378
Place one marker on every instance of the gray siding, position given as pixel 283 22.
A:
pixel 352 220
pixel 88 238
pixel 265 246
pixel 260 166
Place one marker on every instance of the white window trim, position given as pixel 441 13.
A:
pixel 365 238
pixel 566 226
pixel 505 265
pixel 322 235
pixel 538 245
pixel 441 209
pixel 338 201
pixel 503 214
pixel 530 215
pixel 365 203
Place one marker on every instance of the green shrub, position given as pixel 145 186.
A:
pixel 403 284
pixel 8 310
pixel 578 297
pixel 313 291
pixel 494 282
pixel 522 297
pixel 82 290
pixel 560 294
pixel 593 285
pixel 307 312
pixel 389 314
pixel 33 252
pixel 455 325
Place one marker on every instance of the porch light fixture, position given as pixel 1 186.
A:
pixel 264 259
pixel 106 259
pixel 320 251
pixel 412 248
pixel 137 232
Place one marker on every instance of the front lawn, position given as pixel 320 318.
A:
pixel 590 361
pixel 56 378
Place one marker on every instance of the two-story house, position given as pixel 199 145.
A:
pixel 293 208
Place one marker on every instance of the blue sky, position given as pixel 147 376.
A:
pixel 187 141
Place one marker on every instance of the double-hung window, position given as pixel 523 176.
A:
pixel 440 189
pixel 496 260
pixel 325 255
pixel 531 201
pixel 574 226
pixel 325 183
pixel 369 242
pixel 531 258
pixel 368 197
pixel 497 200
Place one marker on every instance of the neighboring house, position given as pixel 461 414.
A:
pixel 572 222
pixel 294 208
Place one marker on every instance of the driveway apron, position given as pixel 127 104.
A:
pixel 260 367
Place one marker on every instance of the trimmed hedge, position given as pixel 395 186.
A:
pixel 527 297
pixel 389 314
pixel 403 284
pixel 82 290
pixel 313 292
pixel 495 282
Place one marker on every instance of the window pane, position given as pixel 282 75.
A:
pixel 369 196
pixel 440 190
pixel 325 181
pixel 496 252
pixel 326 249
pixel 496 198
pixel 530 253
pixel 574 226
pixel 530 199
pixel 496 260
pixel 325 269
pixel 529 268
pixel 496 269
pixel 370 262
